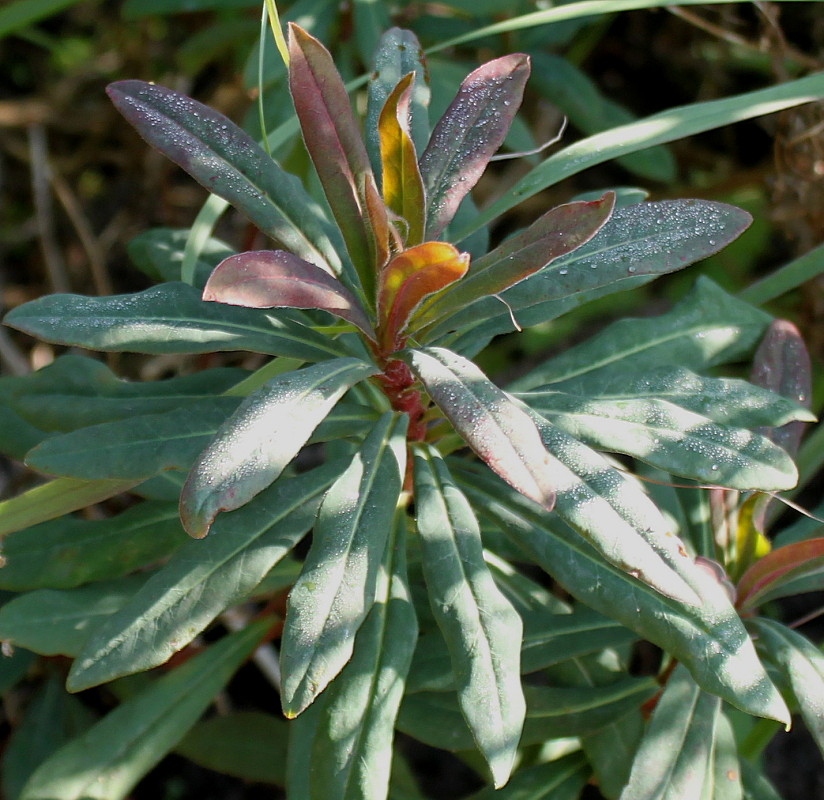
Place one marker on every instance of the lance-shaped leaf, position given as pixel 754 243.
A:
pixel 229 163
pixel 637 243
pixel 481 628
pixel 70 551
pixel 108 760
pixel 708 638
pixel 674 439
pixel 468 134
pixel 399 53
pixel 352 749
pixel 560 779
pixel 274 278
pixel 409 278
pixel 338 153
pixel 170 318
pixel 254 445
pixel 402 183
pixel 502 434
pixel 802 665
pixel 675 755
pixel 337 587
pixel 782 364
pixel 201 580
pixel 561 230
pixel 779 573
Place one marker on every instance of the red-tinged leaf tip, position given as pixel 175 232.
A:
pixel 277 279
pixel 410 277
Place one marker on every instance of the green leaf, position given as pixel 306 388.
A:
pixel 674 439
pixel 480 626
pixel 68 552
pixel 134 448
pixel 562 779
pixel 802 666
pixel 468 134
pixel 51 719
pixel 21 14
pixel 706 328
pixel 500 433
pixel 726 401
pixel 170 318
pixel 275 278
pixel 335 146
pixel 58 621
pixel 611 751
pixel 558 232
pixel 398 54
pixel 202 580
pixel 371 20
pixel 756 786
pixel 666 126
pixel 352 749
pixel 786 278
pixel 249 745
pixel 256 443
pixel 336 589
pixel 726 775
pixel 676 751
pixel 552 712
pixel 112 756
pixel 229 163
pixel 708 638
pixel 13 668
pixel 55 498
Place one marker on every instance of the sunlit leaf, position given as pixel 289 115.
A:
pixel 468 134
pixel 336 589
pixel 254 445
pixel 480 626
pixel 561 779
pixel 502 435
pixel 274 278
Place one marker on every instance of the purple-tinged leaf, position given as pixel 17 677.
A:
pixel 502 435
pixel 782 365
pixel 252 448
pixel 230 164
pixel 403 190
pixel 334 143
pixel 468 134
pixel 276 279
pixel 558 232
pixel 785 564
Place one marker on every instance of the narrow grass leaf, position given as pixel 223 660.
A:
pixel 500 433
pixel 201 581
pixel 352 750
pixel 708 638
pixel 676 751
pixel 468 134
pixel 336 589
pixel 481 628
pixel 114 754
pixel 785 279
pixel 229 163
pixel 170 318
pixel 254 445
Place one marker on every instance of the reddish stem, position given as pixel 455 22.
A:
pixel 398 384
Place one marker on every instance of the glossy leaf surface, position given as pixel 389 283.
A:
pixel 468 134
pixel 502 435
pixel 676 752
pixel 201 581
pixel 481 628
pixel 230 164
pixel 352 749
pixel 558 232
pixel 254 445
pixel 709 639
pixel 334 143
pixel 170 318
pixel 111 757
pixel 402 183
pixel 336 589
pixel 274 278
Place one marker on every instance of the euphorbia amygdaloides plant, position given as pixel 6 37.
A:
pixel 377 317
